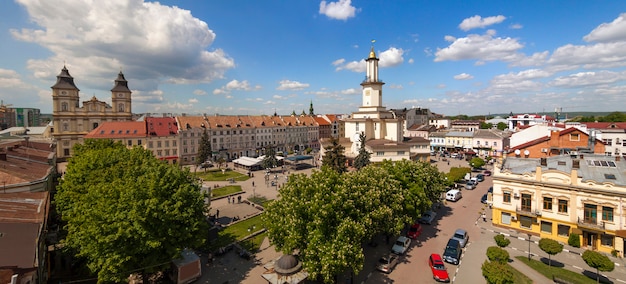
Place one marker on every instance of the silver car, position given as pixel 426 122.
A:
pixel 387 263
pixel 462 236
pixel 428 217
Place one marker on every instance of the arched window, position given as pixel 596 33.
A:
pixel 63 106
pixel 66 126
pixel 121 107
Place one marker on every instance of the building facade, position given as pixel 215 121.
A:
pixel 557 196
pixel 72 121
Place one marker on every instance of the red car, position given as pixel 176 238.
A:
pixel 415 231
pixel 440 273
pixel 487 172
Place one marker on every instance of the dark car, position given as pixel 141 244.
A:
pixel 452 253
pixel 480 177
pixel 487 173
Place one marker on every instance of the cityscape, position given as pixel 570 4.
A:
pixel 483 191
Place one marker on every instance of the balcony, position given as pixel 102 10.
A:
pixel 591 224
pixel 527 211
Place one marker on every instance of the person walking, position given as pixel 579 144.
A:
pixel 229 199
pixel 484 217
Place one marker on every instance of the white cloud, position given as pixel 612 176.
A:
pixel 396 86
pixel 388 58
pixel 480 47
pixel 479 22
pixel 600 55
pixel 463 76
pixel 107 36
pixel 341 10
pixel 193 101
pixel 582 79
pixel 291 85
pixel 609 32
pixel 199 92
pixel 235 85
pixel 516 26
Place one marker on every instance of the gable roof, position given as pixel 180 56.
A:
pixel 119 129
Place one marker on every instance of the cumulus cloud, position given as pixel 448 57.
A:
pixel 609 32
pixel 341 10
pixel 108 35
pixel 463 76
pixel 388 58
pixel 480 22
pixel 199 92
pixel 235 85
pixel 287 85
pixel 581 79
pixel 600 55
pixel 193 101
pixel 480 47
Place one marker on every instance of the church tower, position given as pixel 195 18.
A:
pixel 65 93
pixel 120 96
pixel 372 86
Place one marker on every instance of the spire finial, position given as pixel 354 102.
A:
pixel 372 52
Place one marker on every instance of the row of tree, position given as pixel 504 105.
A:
pixel 327 216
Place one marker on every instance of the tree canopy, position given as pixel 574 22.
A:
pixel 204 148
pixel 477 162
pixel 363 158
pixel 598 261
pixel 127 211
pixel 334 156
pixel 502 126
pixel 551 247
pixel 497 273
pixel 270 159
pixel 325 217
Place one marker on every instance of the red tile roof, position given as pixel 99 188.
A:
pixel 118 129
pixel 161 126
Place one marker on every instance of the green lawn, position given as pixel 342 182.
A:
pixel 518 277
pixel 237 232
pixel 225 190
pixel 549 271
pixel 217 175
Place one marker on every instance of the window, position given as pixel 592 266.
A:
pixel 526 202
pixel 495 144
pixel 129 142
pixel 506 218
pixel 174 143
pixel 158 144
pixel 95 125
pixel 380 153
pixel 563 230
pixel 66 126
pixel 609 142
pixel 547 203
pixel 159 153
pixel 138 141
pixel 607 214
pixel 66 152
pixel 400 153
pixel 562 206
pixel 525 221
pixel 357 126
pixel 63 106
pixel 150 144
pixel 574 137
pixel 591 213
pixel 546 227
pixel 607 240
pixel 121 107
pixel 506 197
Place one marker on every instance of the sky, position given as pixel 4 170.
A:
pixel 242 57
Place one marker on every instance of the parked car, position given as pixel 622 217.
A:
pixel 427 217
pixel 452 253
pixel 483 199
pixel 415 231
pixel 480 177
pixel 487 173
pixel 453 195
pixel 470 185
pixel 462 236
pixel 401 245
pixel 387 263
pixel 438 268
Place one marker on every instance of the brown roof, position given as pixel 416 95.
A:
pixel 161 126
pixel 23 164
pixel 118 129
pixel 24 207
pixel 19 244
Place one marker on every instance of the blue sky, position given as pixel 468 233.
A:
pixel 260 57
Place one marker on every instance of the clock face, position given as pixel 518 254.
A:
pixel 63 93
pixel 120 95
pixel 367 93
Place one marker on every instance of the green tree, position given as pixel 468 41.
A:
pixel 204 149
pixel 270 159
pixel 598 261
pixel 334 156
pixel 477 162
pixel 363 158
pixel 485 125
pixel 574 240
pixel 551 247
pixel 456 174
pixel 328 215
pixel 614 117
pixel 501 240
pixel 125 210
pixel 497 254
pixel 502 126
pixel 497 273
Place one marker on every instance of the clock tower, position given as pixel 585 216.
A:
pixel 120 96
pixel 372 85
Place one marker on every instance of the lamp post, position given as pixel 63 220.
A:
pixel 529 246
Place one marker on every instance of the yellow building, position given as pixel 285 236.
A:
pixel 72 121
pixel 556 196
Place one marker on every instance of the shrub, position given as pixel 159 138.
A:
pixel 574 240
pixel 501 240
pixel 496 254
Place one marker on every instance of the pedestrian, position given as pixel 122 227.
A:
pixel 228 199
pixel 252 183
pixel 239 199
pixel 484 217
pixel 217 214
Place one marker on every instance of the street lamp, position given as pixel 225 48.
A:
pixel 529 246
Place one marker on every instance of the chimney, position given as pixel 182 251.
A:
pixel 576 164
pixel 544 162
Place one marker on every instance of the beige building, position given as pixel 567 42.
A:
pixel 557 196
pixel 72 121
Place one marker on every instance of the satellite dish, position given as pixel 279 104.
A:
pixel 526 152
pixel 517 152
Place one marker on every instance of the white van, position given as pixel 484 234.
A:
pixel 453 195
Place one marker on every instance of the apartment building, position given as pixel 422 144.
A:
pixel 556 196
pixel 567 141
pixel 613 134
